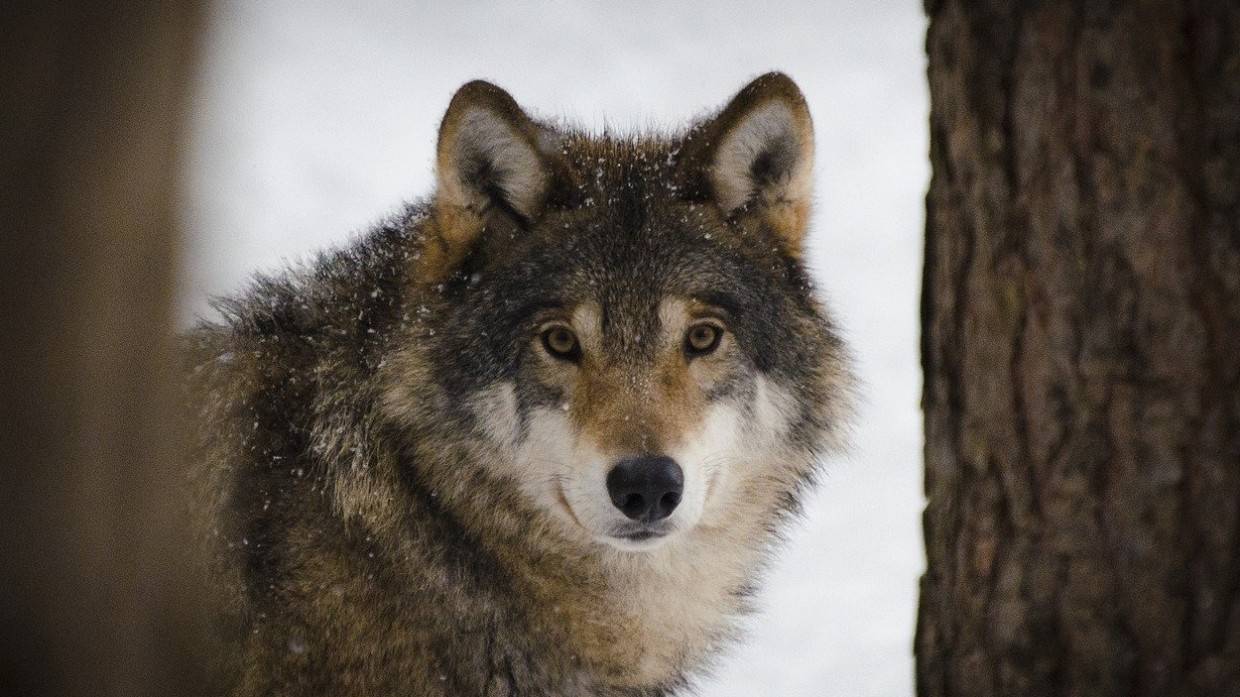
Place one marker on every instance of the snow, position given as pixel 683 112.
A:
pixel 314 119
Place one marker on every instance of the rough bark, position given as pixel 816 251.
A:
pixel 1081 349
pixel 96 596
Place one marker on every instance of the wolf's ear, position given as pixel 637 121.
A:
pixel 491 160
pixel 756 157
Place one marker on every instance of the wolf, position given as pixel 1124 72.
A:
pixel 534 435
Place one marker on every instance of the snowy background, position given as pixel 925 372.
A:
pixel 313 119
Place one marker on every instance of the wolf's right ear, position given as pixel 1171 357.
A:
pixel 492 160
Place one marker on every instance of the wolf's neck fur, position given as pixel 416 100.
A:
pixel 658 615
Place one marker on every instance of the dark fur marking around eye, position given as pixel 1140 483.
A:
pixel 703 339
pixel 720 299
pixel 561 343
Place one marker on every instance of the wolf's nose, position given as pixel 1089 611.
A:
pixel 646 488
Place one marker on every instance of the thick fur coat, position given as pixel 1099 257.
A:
pixel 408 446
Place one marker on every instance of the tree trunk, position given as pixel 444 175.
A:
pixel 1081 349
pixel 96 587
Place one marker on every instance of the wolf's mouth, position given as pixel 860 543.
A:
pixel 640 533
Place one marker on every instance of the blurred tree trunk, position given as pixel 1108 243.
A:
pixel 97 595
pixel 1081 348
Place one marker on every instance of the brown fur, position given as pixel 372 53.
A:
pixel 626 410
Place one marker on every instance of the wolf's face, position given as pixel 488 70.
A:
pixel 634 399
pixel 625 324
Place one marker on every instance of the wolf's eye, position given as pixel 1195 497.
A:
pixel 702 338
pixel 561 342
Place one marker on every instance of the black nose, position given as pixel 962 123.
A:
pixel 646 488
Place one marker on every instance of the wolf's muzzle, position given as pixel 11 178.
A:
pixel 646 488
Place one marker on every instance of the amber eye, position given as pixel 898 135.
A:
pixel 561 342
pixel 703 338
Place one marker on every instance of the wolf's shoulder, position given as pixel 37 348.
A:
pixel 331 302
pixel 276 346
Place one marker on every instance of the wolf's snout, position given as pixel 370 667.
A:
pixel 647 487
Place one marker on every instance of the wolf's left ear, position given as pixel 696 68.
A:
pixel 492 161
pixel 756 157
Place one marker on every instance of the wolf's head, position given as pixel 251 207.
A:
pixel 623 326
